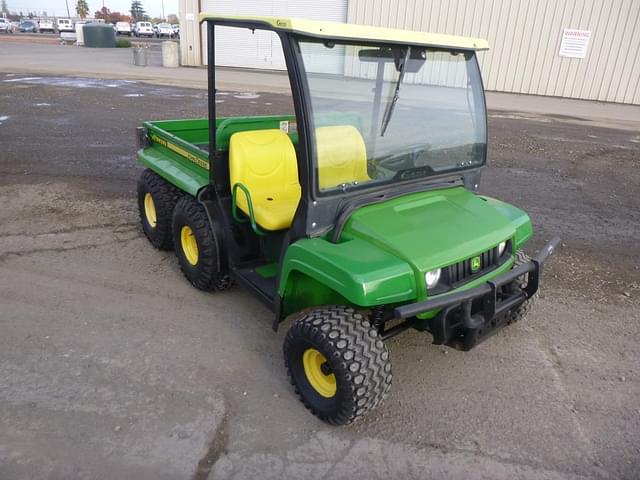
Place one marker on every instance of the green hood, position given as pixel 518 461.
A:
pixel 432 229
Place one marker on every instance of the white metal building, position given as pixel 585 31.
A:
pixel 587 49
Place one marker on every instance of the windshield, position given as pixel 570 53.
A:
pixel 389 114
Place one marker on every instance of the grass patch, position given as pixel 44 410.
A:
pixel 123 43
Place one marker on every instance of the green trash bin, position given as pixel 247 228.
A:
pixel 99 35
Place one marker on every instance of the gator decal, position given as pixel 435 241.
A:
pixel 180 151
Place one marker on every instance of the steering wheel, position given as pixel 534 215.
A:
pixel 404 159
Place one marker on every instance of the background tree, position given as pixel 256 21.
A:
pixel 103 13
pixel 82 8
pixel 172 18
pixel 137 11
pixel 116 17
pixel 4 7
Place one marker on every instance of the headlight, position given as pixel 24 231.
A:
pixel 432 278
pixel 501 248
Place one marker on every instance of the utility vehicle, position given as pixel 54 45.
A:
pixel 354 216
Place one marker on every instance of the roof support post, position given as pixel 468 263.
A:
pixel 211 70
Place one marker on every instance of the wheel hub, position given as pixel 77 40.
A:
pixel 150 210
pixel 189 245
pixel 319 373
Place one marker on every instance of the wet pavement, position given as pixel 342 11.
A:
pixel 112 366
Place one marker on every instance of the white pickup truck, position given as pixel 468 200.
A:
pixel 123 28
pixel 6 26
pixel 46 25
pixel 164 30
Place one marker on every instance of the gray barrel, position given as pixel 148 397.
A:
pixel 170 56
pixel 98 35
pixel 139 56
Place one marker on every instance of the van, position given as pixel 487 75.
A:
pixel 143 29
pixel 65 25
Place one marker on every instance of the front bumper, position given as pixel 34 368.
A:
pixel 467 317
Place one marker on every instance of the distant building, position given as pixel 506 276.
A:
pixel 586 50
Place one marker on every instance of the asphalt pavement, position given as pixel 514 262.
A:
pixel 113 366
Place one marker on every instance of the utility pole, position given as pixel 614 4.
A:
pixel 163 17
pixel 67 2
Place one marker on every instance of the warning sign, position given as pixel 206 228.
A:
pixel 574 43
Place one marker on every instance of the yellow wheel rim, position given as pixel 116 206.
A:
pixel 189 245
pixel 150 210
pixel 312 361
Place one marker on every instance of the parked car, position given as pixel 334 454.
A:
pixel 176 30
pixel 47 26
pixel 164 30
pixel 143 29
pixel 123 28
pixel 28 26
pixel 65 25
pixel 5 26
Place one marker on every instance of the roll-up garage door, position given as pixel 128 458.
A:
pixel 237 47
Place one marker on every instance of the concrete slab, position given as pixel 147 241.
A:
pixel 117 64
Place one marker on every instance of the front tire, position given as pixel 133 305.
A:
pixel 156 201
pixel 520 283
pixel 337 363
pixel 198 248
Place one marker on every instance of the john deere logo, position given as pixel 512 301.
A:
pixel 475 264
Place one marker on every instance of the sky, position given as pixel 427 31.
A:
pixel 58 7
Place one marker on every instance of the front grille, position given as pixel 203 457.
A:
pixel 462 272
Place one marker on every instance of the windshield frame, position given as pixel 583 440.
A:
pixel 317 214
pixel 469 175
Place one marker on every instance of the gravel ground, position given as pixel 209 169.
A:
pixel 112 366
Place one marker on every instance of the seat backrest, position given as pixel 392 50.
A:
pixel 264 161
pixel 342 156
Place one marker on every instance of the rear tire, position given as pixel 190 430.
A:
pixel 156 201
pixel 199 251
pixel 520 283
pixel 337 363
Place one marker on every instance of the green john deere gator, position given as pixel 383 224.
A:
pixel 354 215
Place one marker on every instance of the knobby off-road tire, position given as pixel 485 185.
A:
pixel 156 200
pixel 520 283
pixel 343 345
pixel 197 247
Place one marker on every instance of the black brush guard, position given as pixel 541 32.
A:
pixel 467 317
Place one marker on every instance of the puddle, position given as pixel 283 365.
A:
pixel 3 118
pixel 129 88
pixel 69 82
pixel 512 116
pixel 219 101
pixel 247 96
pixel 44 104
pixel 24 79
